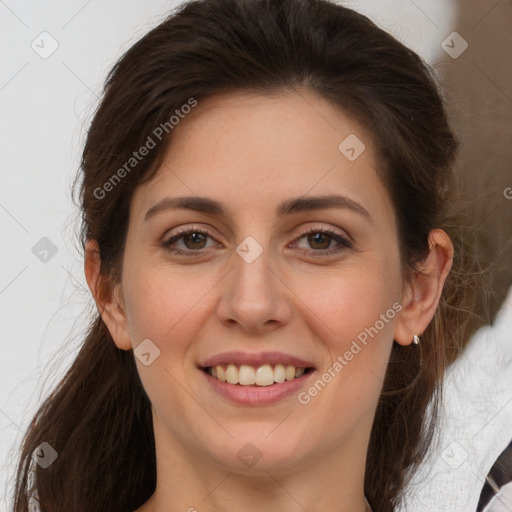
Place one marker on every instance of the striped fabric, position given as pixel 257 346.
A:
pixel 496 495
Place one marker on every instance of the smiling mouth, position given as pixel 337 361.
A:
pixel 264 375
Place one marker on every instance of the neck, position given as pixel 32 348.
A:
pixel 190 481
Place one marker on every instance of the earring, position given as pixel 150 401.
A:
pixel 416 339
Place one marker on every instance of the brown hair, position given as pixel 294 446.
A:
pixel 99 419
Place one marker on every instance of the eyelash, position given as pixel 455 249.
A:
pixel 343 242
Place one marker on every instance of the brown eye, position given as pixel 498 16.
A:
pixel 319 240
pixel 195 240
pixel 188 242
pixel 319 243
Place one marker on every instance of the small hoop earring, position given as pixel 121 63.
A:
pixel 416 339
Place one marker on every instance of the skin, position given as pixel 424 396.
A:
pixel 251 152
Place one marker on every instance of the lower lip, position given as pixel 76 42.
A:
pixel 257 395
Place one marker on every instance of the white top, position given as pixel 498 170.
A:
pixel 476 424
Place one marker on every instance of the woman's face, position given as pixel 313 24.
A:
pixel 258 273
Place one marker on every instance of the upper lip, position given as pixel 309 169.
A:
pixel 239 358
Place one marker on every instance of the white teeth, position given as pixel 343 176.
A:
pixel 232 374
pixel 247 375
pixel 221 374
pixel 263 375
pixel 279 373
pixel 290 372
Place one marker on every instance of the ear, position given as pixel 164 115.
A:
pixel 108 297
pixel 422 293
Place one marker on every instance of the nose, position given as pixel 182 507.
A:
pixel 255 297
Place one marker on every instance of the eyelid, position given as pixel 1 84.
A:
pixel 323 229
pixel 181 231
pixel 342 238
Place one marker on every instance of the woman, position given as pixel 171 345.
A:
pixel 266 236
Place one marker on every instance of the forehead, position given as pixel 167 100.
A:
pixel 249 150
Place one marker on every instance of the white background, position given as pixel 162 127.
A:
pixel 46 105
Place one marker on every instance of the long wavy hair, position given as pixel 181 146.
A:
pixel 98 418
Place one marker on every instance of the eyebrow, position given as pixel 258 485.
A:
pixel 294 205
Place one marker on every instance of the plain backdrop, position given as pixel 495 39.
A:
pixel 46 103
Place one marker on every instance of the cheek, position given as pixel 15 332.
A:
pixel 347 302
pixel 165 305
pixel 353 313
